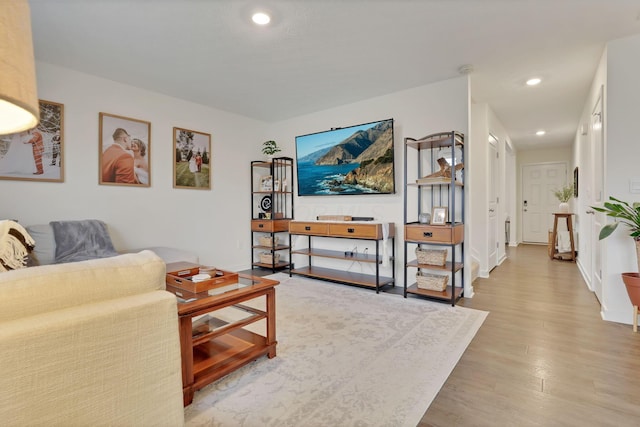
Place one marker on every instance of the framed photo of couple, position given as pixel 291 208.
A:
pixel 192 159
pixel 125 150
pixel 36 154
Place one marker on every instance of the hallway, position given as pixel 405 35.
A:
pixel 543 357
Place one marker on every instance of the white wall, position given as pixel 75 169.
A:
pixel 622 111
pixel 484 121
pixel 417 112
pixel 214 223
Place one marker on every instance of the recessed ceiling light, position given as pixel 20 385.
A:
pixel 534 81
pixel 261 18
pixel 540 133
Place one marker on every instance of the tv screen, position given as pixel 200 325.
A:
pixel 342 161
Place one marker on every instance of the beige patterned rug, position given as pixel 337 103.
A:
pixel 346 357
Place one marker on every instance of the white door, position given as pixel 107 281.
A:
pixel 539 181
pixel 598 219
pixel 492 237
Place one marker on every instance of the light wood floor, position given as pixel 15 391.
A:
pixel 543 356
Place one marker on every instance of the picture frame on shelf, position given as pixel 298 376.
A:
pixel 439 216
pixel 192 159
pixel 266 183
pixel 36 154
pixel 125 151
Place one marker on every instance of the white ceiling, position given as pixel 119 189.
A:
pixel 321 54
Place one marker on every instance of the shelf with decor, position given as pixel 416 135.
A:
pixel 379 233
pixel 434 216
pixel 271 210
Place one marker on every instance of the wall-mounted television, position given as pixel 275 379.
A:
pixel 346 161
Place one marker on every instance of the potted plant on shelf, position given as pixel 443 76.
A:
pixel 564 195
pixel 269 148
pixel 629 215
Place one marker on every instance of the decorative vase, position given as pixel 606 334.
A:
pixel 564 207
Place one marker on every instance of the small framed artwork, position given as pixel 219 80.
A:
pixel 36 154
pixel 192 159
pixel 575 182
pixel 439 216
pixel 276 185
pixel 125 151
pixel 266 183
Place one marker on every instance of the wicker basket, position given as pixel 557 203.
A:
pixel 432 256
pixel 269 258
pixel 267 240
pixel 432 282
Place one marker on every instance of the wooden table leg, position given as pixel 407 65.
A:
pixel 554 237
pixel 271 323
pixel 573 246
pixel 186 353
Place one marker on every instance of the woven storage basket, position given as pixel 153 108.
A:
pixel 266 240
pixel 432 282
pixel 432 256
pixel 266 258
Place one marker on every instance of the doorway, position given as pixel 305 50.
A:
pixel 539 181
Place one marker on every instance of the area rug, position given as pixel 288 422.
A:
pixel 346 357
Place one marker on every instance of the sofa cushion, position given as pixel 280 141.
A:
pixel 29 291
pixel 81 240
pixel 45 247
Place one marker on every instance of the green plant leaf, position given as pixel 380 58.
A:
pixel 607 230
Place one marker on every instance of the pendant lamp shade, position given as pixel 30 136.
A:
pixel 19 109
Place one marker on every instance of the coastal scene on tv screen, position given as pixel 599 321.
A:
pixel 351 160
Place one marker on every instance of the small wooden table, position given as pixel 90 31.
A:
pixel 217 342
pixel 554 254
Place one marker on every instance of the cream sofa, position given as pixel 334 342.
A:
pixel 44 252
pixel 90 343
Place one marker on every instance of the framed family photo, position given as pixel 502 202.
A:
pixel 125 150
pixel 439 216
pixel 266 183
pixel 192 159
pixel 36 154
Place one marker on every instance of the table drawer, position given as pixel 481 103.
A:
pixel 434 233
pixel 269 225
pixel 356 231
pixel 311 228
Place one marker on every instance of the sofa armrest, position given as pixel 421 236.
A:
pixel 113 362
pixel 28 291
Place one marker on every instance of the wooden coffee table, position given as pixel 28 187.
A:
pixel 214 339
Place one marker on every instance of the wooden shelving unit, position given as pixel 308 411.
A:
pixel 275 202
pixel 421 195
pixel 343 230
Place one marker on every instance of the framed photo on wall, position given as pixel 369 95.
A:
pixel 125 151
pixel 36 154
pixel 191 159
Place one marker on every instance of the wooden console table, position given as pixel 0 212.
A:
pixel 554 254
pixel 217 343
pixel 345 230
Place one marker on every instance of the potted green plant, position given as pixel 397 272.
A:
pixel 269 148
pixel 564 194
pixel 629 215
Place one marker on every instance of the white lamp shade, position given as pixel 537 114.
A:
pixel 19 109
